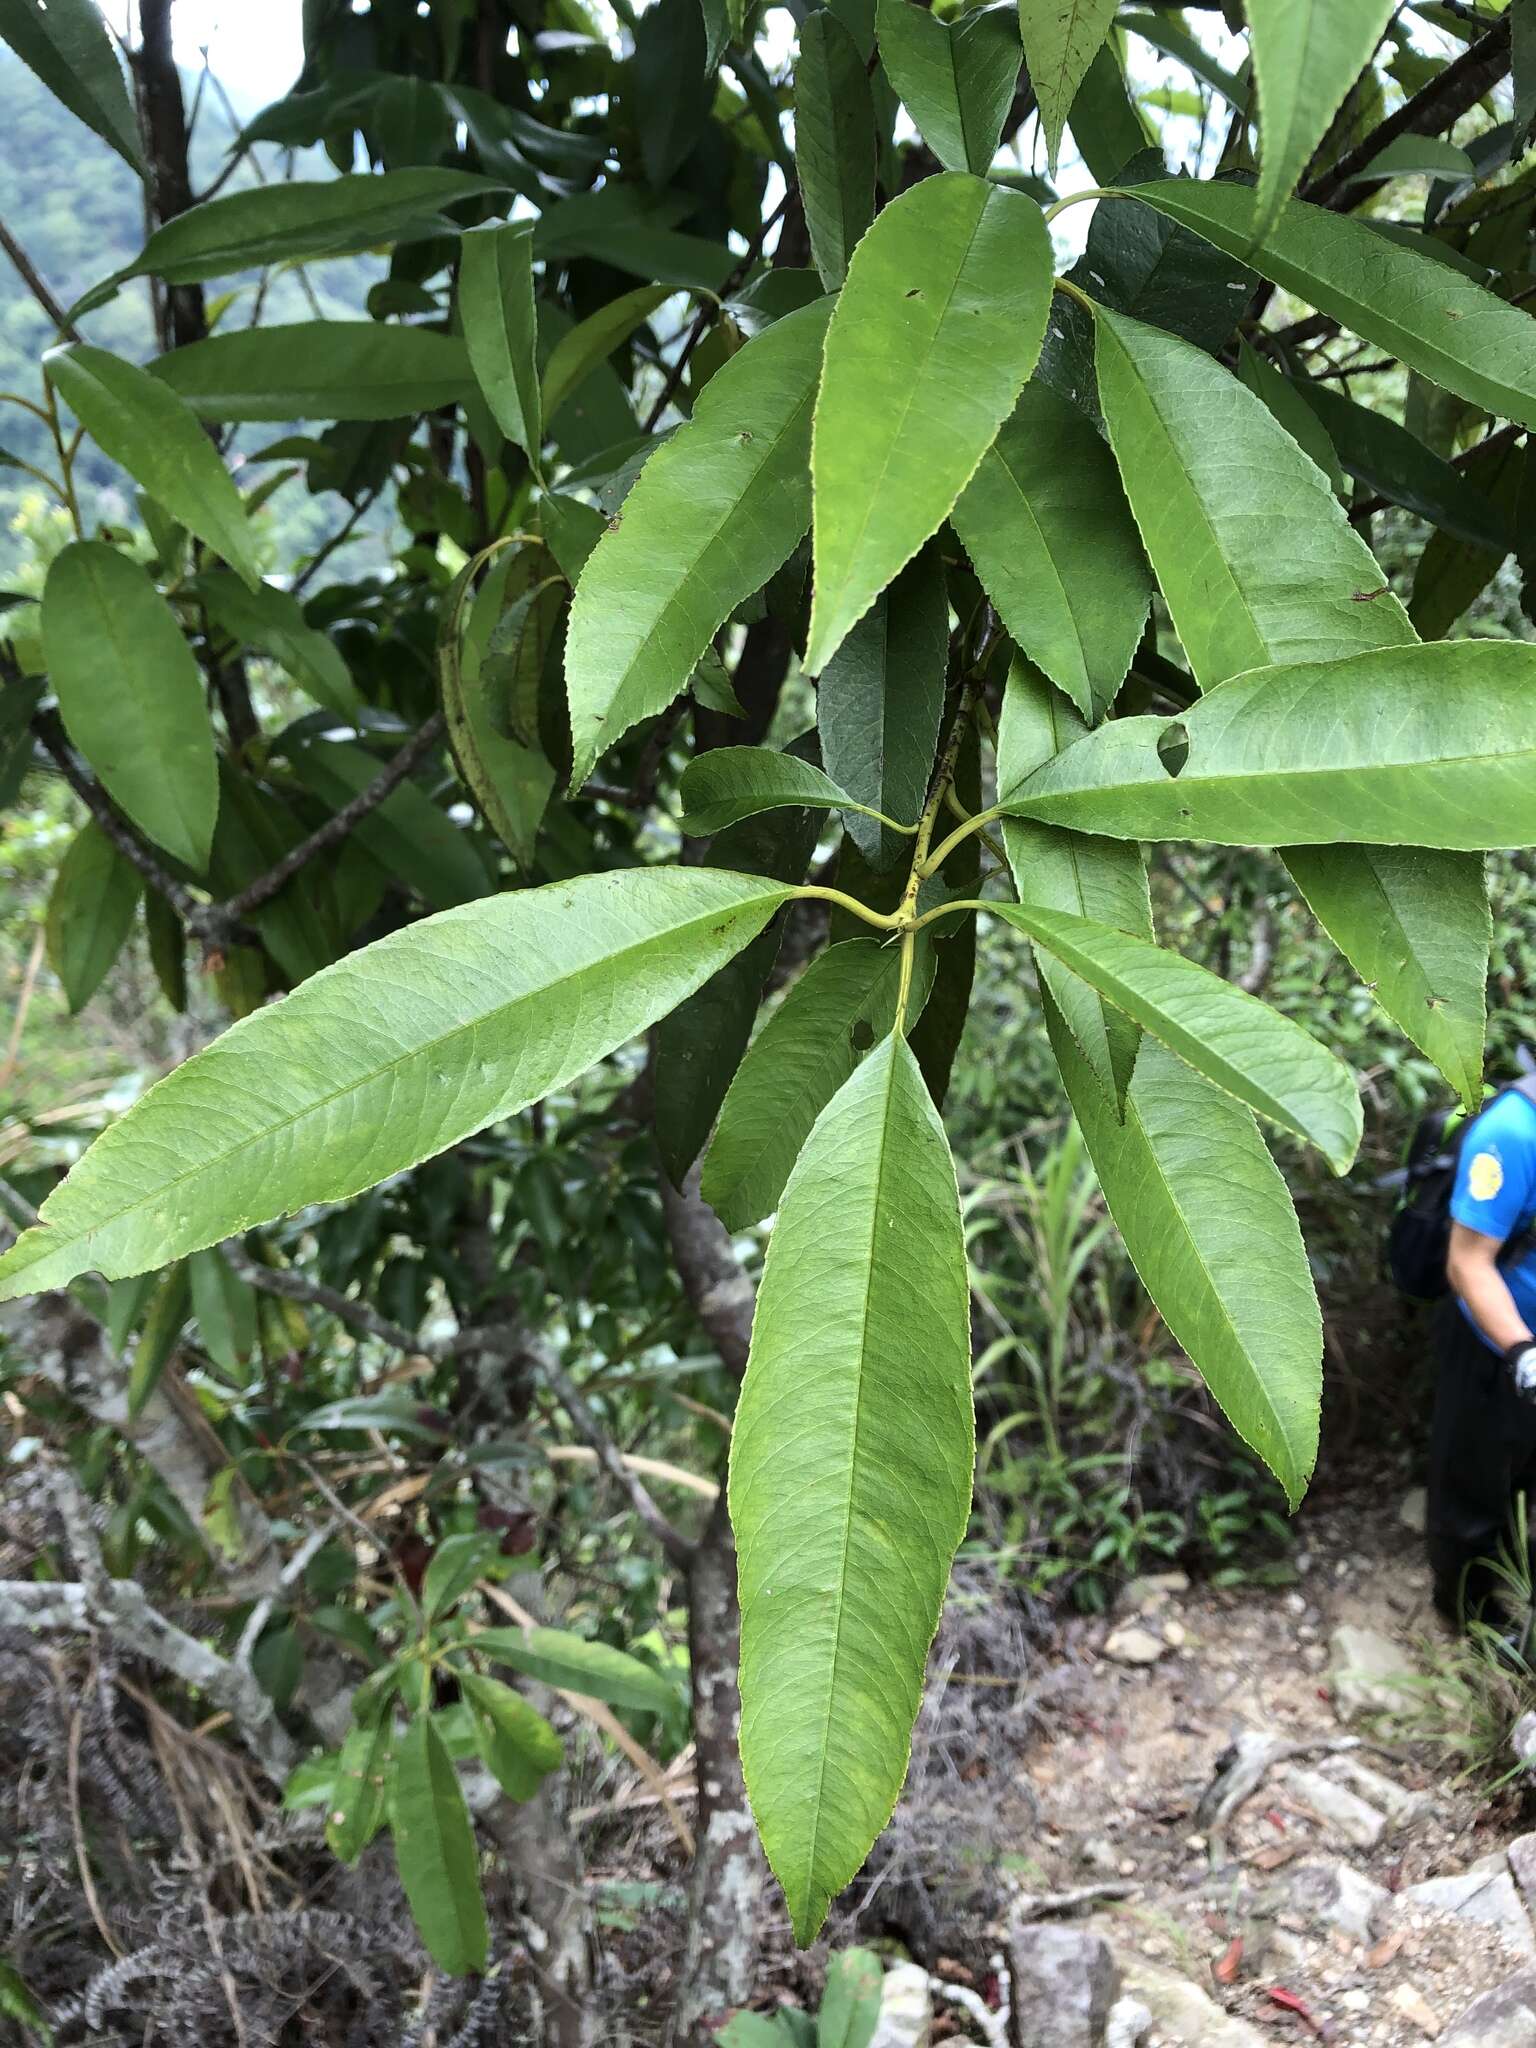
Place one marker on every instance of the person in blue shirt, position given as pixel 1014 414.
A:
pixel 1483 1439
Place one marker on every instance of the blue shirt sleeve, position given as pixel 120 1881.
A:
pixel 1496 1175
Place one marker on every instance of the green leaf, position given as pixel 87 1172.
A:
pixel 408 834
pixel 632 229
pixel 511 784
pixel 1430 317
pixel 390 1056
pixel 1307 55
pixel 316 369
pixel 273 621
pixel 1293 412
pixel 715 511
pixel 1045 522
pixel 356 1803
pixel 255 830
pixel 397 1413
pixel 834 142
pixel 1234 1040
pixel 1255 555
pixel 65 42
pixel 879 701
pixel 285 223
pixel 1387 459
pixel 955 80
pixel 667 85
pixel 224 1306
pixel 501 329
pixel 435 1849
pixel 937 328
pixel 1104 120
pixel 850 2004
pixel 1193 1190
pixel 575 1664
pixel 1418 156
pixel 850 1481
pixel 456 1563
pixel 519 1746
pixel 1452 574
pixel 158 1335
pixel 1061 40
pixel 1054 869
pixel 728 784
pixel 90 914
pixel 592 341
pixel 1416 925
pixel 136 422
pixel 844 1003
pixel 131 696
pixel 167 950
pixel 1302 756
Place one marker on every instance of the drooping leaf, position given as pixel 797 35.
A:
pixel 1105 122
pixel 850 1478
pixel 501 329
pixel 391 1055
pixel 1307 55
pixel 844 1003
pixel 1254 553
pixel 273 621
pixel 224 1306
pixel 511 783
pixel 716 510
pixel 1061 40
pixel 167 950
pixel 1293 412
pixel 1416 924
pixel 668 86
pixel 1192 1188
pixel 956 79
pixel 1253 1052
pixel 1381 454
pixel 1430 317
pixel 435 1850
pixel 728 784
pixel 879 701
pixel 131 696
pixel 576 1664
pixel 1452 574
pixel 1303 756
pixel 519 1746
pixel 136 422
pixel 1046 524
pixel 65 42
pixel 355 1807
pixel 90 914
pixel 592 341
pixel 935 331
pixel 158 1335
pixel 316 369
pixel 834 142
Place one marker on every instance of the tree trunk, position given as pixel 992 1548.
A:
pixel 538 1846
pixel 164 120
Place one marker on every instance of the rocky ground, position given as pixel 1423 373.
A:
pixel 1260 1855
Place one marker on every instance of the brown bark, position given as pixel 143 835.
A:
pixel 163 116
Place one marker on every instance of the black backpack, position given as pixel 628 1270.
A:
pixel 1419 1235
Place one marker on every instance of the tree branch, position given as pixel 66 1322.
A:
pixel 721 1295
pixel 32 279
pixel 678 1549
pixel 357 1315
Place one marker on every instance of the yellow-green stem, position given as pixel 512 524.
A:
pixel 962 832
pixel 66 463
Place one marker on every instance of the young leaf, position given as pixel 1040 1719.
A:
pixel 937 328
pixel 65 42
pixel 1046 525
pixel 879 701
pixel 1430 317
pixel 391 1055
pixel 1302 756
pixel 90 914
pixel 131 696
pixel 1387 459
pixel 575 1664
pixel 315 369
pixel 1061 40
pixel 1307 55
pixel 844 1003
pixel 1234 1040
pixel 589 344
pixel 715 511
pixel 955 80
pixel 1193 1189
pixel 273 620
pixel 1416 925
pixel 456 1563
pixel 1255 555
pixel 136 422
pixel 519 1746
pixel 501 329
pixel 728 784
pixel 355 1810
pixel 834 142
pixel 435 1850
pixel 850 1479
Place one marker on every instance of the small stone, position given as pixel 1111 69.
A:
pixel 1344 1811
pixel 1152 1590
pixel 1127 1866
pixel 1338 1897
pixel 1355 2001
pixel 1369 1671
pixel 1296 1603
pixel 1521 1855
pixel 1522 1740
pixel 906 2009
pixel 1134 1645
pixel 1403 1808
pixel 1417 2011
pixel 1414 1512
pixel 1183 2013
pixel 1129 2024
pixel 1175 1634
pixel 1065 1980
pixel 1502 2018
pixel 1486 1899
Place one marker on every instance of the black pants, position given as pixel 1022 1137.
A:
pixel 1482 1452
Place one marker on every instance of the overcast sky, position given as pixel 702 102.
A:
pixel 256 46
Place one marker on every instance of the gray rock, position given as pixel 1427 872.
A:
pixel 1133 1645
pixel 1521 1855
pixel 1183 2014
pixel 1502 2018
pixel 1414 1512
pixel 1489 1898
pixel 1368 1673
pixel 1150 1592
pixel 1522 1740
pixel 1344 1811
pixel 1335 1896
pixel 1404 1809
pixel 906 2009
pixel 1129 2024
pixel 1064 1983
